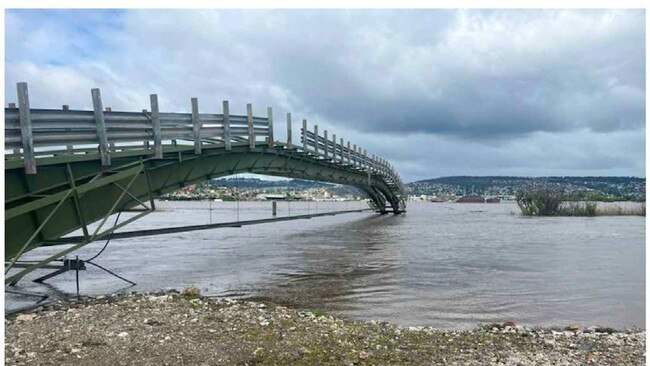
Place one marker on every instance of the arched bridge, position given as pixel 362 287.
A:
pixel 66 169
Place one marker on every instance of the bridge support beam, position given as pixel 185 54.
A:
pixel 85 191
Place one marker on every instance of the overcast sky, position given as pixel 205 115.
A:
pixel 437 92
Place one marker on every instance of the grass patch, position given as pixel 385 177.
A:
pixel 621 211
pixel 539 202
pixel 196 305
pixel 545 202
pixel 191 292
pixel 319 312
pixel 577 209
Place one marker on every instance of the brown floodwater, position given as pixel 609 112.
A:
pixel 445 265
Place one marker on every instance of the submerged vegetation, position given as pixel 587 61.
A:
pixel 621 211
pixel 191 292
pixel 578 209
pixel 546 202
pixel 539 202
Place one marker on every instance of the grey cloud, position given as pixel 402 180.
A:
pixel 483 89
pixel 580 152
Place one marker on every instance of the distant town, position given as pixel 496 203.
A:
pixel 444 189
pixel 255 189
pixel 505 188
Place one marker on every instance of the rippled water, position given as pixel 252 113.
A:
pixel 444 265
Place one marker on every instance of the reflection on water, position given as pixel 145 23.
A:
pixel 445 265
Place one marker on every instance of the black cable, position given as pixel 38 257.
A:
pixel 107 240
pixel 110 236
pixel 113 273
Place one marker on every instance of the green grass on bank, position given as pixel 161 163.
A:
pixel 544 202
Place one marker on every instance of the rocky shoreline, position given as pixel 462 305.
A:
pixel 173 328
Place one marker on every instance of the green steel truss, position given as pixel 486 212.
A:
pixel 71 191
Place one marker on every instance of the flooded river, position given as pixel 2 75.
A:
pixel 445 265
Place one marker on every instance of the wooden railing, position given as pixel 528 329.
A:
pixel 32 133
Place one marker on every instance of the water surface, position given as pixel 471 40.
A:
pixel 445 265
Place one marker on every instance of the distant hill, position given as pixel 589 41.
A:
pixel 256 183
pixel 627 188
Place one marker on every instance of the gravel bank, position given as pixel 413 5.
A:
pixel 176 329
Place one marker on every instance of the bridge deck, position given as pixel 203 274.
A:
pixel 65 169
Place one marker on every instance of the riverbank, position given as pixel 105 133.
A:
pixel 174 329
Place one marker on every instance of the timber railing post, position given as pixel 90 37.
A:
pixel 304 135
pixel 316 140
pixel 289 137
pixel 357 151
pixel 334 147
pixel 251 130
pixel 341 156
pixel 157 133
pixel 26 128
pixel 367 166
pixel 196 126
pixel 365 160
pixel 226 125
pixel 347 152
pixel 269 114
pixel 326 142
pixel 16 151
pixel 360 157
pixel 146 142
pixel 69 148
pixel 355 161
pixel 100 125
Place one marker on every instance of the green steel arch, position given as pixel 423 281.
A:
pixel 55 191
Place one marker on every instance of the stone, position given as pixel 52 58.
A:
pixel 573 327
pixel 25 317
pixel 592 358
pixel 549 343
